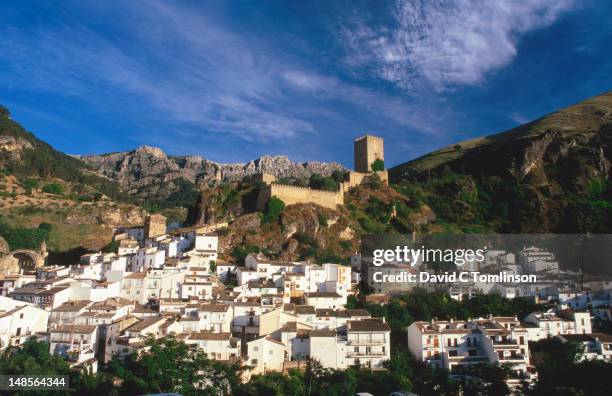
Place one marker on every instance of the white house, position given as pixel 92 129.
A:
pixel 265 354
pixel 216 345
pixel 549 324
pixel 325 300
pixel 20 323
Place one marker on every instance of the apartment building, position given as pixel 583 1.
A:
pixel 549 324
pixel 455 346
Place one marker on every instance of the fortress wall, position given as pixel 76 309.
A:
pixel 353 179
pixel 293 195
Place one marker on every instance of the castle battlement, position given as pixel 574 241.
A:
pixel 276 186
pixel 296 194
pixel 368 149
pixel 371 137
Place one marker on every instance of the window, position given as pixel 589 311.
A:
pixel 21 317
pixel 255 349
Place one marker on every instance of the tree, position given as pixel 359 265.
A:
pixel 319 182
pixel 32 358
pixel 169 365
pixel 274 208
pixel 378 165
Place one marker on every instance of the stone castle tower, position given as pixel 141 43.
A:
pixel 368 149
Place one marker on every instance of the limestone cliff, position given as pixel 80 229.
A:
pixel 148 170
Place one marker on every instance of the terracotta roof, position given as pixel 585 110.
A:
pixel 53 290
pixel 143 324
pixel 603 337
pixel 289 327
pixel 112 302
pixel 322 333
pixel 213 307
pixel 323 295
pixel 75 329
pixel 268 338
pixel 11 312
pixel 358 312
pixel 209 336
pixel 304 310
pixel 72 306
pixel 367 325
pixel 136 275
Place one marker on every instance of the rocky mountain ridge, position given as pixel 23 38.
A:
pixel 148 168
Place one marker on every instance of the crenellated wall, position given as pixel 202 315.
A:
pixel 293 194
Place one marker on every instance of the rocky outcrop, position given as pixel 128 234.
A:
pixel 12 147
pixel 552 174
pixel 150 170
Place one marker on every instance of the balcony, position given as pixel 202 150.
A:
pixel 366 342
pixel 513 358
pixel 505 342
pixel 352 354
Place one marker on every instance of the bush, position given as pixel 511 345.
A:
pixel 274 208
pixel 378 165
pixel 319 182
pixel 53 188
pixel 322 219
pixel 25 238
pixel 29 184
pixel 240 252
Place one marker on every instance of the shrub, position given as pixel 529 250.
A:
pixel 319 182
pixel 29 184
pixel 274 208
pixel 378 165
pixel 322 219
pixel 53 188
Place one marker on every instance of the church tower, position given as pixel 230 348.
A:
pixel 368 149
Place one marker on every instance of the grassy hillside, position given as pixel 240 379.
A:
pixel 549 175
pixel 42 186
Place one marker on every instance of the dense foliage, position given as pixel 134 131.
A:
pixel 326 183
pixel 274 208
pixel 378 165
pixel 25 238
pixel 560 371
pixel 494 204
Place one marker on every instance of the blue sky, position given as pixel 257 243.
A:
pixel 235 80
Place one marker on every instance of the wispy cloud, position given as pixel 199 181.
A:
pixel 424 117
pixel 518 118
pixel 208 77
pixel 440 44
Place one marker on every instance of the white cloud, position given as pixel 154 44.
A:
pixel 184 64
pixel 441 44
